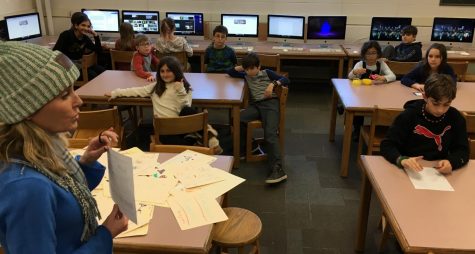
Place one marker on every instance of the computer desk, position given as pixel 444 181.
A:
pixel 164 233
pixel 360 101
pixel 294 51
pixel 352 50
pixel 423 221
pixel 210 90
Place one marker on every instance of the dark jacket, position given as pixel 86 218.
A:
pixel 74 48
pixel 418 75
pixel 408 52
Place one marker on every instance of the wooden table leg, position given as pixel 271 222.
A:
pixel 362 224
pixel 340 67
pixel 350 64
pixel 236 137
pixel 334 102
pixel 202 63
pixel 345 155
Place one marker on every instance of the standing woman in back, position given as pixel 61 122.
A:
pixel 75 43
pixel 169 42
pixel 435 61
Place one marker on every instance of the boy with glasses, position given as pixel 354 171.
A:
pixel 143 58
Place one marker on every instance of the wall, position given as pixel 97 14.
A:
pixel 359 12
pixel 12 7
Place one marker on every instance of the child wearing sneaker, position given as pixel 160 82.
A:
pixel 264 106
pixel 171 97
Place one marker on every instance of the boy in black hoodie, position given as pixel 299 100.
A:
pixel 409 50
pixel 429 129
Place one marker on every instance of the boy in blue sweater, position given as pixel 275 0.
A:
pixel 264 106
pixel 409 50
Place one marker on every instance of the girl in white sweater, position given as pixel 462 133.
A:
pixel 170 95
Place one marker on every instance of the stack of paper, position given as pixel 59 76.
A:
pixel 186 183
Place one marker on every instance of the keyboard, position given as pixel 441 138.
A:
pixel 287 48
pixel 194 45
pixel 458 52
pixel 325 50
pixel 242 48
pixel 108 43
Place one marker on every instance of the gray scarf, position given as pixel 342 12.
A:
pixel 74 182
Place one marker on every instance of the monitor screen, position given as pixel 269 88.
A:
pixel 281 26
pixel 241 25
pixel 147 22
pixel 388 29
pixel 187 23
pixel 24 26
pixel 453 30
pixel 326 27
pixel 103 20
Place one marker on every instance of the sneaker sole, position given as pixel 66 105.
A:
pixel 278 180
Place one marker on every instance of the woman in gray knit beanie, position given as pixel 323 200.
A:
pixel 45 201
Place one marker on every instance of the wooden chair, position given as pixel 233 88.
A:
pixel 92 123
pixel 181 125
pixel 460 69
pixel 181 56
pixel 373 134
pixel 470 120
pixel 271 61
pixel 120 56
pixel 242 228
pixel 178 148
pixel 282 92
pixel 86 62
pixel 125 58
pixel 401 68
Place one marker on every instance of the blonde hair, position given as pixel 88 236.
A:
pixel 25 140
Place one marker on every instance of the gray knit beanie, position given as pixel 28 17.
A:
pixel 30 77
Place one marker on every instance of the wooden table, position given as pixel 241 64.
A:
pixel 360 101
pixel 209 91
pixel 352 50
pixel 422 220
pixel 335 52
pixel 164 233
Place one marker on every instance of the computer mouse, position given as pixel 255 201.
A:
pixel 285 50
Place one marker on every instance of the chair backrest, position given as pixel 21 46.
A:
pixel 401 68
pixel 182 125
pixel 271 61
pixel 88 61
pixel 181 56
pixel 92 123
pixel 283 93
pixel 178 149
pixel 460 69
pixel 120 56
pixel 381 117
pixel 470 121
pixel 472 148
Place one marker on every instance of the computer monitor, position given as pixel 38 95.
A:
pixel 453 31
pixel 283 28
pixel 326 29
pixel 147 22
pixel 102 20
pixel 24 26
pixel 189 25
pixel 388 30
pixel 241 25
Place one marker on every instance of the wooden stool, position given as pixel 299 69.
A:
pixel 242 228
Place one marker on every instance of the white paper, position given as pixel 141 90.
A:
pixel 121 183
pixel 429 179
pixel 192 211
